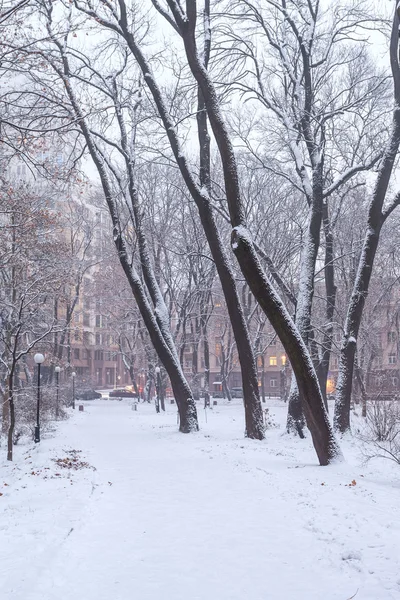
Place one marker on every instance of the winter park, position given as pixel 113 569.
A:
pixel 199 300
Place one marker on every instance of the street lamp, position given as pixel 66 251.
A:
pixel 57 372
pixel 157 370
pixel 38 358
pixel 73 375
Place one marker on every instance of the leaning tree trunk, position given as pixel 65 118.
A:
pixel 161 340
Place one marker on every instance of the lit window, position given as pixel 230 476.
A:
pixel 330 386
pixel 283 359
pixel 259 361
pixel 273 361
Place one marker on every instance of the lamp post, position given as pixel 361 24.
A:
pixel 73 375
pixel 38 358
pixel 157 371
pixel 57 372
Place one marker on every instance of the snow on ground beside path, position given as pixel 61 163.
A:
pixel 208 516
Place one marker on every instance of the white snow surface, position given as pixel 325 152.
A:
pixel 205 516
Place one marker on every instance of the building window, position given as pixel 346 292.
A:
pixel 86 337
pixel 76 335
pixel 273 361
pixel 273 382
pixel 391 336
pixel 392 359
pixel 76 353
pixel 98 320
pixel 283 360
pixel 394 381
pixel 86 319
pixel 260 361
pixel 98 339
pixel 98 355
pixel 87 303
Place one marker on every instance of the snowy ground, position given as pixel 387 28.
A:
pixel 209 516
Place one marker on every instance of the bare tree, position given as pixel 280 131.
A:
pixel 378 212
pixel 31 274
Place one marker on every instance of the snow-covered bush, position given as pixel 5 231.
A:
pixel 381 431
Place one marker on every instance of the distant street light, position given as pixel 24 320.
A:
pixel 73 375
pixel 157 370
pixel 38 358
pixel 57 371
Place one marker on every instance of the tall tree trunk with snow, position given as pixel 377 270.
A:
pixel 377 216
pixel 330 302
pixel 295 420
pixel 316 416
pixel 11 403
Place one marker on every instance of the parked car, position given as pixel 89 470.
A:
pixel 237 392
pixel 122 393
pixel 88 395
pixel 217 394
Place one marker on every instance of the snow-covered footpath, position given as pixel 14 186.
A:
pixel 157 515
